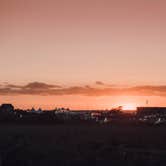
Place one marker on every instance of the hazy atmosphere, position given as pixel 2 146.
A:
pixel 87 54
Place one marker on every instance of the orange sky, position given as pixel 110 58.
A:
pixel 76 43
pixel 81 102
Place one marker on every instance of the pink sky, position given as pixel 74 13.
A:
pixel 78 42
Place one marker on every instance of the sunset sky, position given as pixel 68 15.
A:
pixel 82 54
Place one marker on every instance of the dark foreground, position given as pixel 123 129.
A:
pixel 64 145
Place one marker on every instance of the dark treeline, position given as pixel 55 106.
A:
pixel 143 115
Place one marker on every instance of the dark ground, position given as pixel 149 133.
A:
pixel 81 145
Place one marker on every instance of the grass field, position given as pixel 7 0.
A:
pixel 82 145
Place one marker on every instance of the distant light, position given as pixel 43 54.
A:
pixel 129 107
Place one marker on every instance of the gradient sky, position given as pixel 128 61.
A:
pixel 78 42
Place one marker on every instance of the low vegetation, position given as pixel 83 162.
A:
pixel 82 144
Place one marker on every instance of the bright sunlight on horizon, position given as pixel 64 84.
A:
pixel 88 54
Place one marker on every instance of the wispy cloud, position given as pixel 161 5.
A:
pixel 40 85
pixel 39 88
pixel 100 83
pixel 103 84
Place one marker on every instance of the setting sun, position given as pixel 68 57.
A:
pixel 129 107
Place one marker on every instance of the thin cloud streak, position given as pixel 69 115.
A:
pixel 39 88
pixel 100 83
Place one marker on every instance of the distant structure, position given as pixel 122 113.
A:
pixel 144 111
pixel 33 110
pixel 147 102
pixel 39 111
pixel 6 108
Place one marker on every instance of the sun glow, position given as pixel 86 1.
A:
pixel 129 107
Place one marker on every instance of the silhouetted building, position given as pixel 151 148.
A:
pixel 6 108
pixel 146 111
